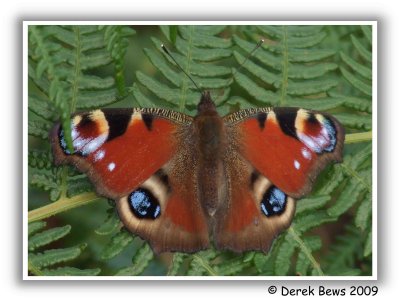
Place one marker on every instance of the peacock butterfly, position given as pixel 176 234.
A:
pixel 180 181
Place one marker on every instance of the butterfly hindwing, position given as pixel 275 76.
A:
pixel 255 211
pixel 165 210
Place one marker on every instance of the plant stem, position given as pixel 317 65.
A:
pixel 34 270
pixel 285 66
pixel 358 137
pixel 205 265
pixel 305 250
pixel 63 204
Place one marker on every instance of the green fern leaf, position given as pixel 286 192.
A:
pixel 261 96
pixel 47 183
pixel 38 129
pixel 312 203
pixel 282 263
pixel 233 266
pixel 51 257
pixel 188 42
pixel 368 245
pixel 41 108
pixel 361 122
pixel 63 56
pixel 77 185
pixel 348 197
pixel 46 237
pixel 265 263
pixel 345 252
pixel 176 264
pixel 304 222
pixel 363 215
pixel 39 160
pixel 117 244
pixel 140 261
pixel 110 225
pixel 200 264
pixel 71 271
pixel 303 264
pixel 117 43
pixel 35 227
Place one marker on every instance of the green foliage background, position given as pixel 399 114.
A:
pixel 75 68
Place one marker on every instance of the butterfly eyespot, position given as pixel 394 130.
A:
pixel 143 204
pixel 64 147
pixel 331 132
pixel 84 143
pixel 273 201
pixel 319 134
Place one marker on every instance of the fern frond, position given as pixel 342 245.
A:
pixel 283 259
pixel 71 271
pixel 35 227
pixel 46 180
pixel 39 159
pixel 357 183
pixel 303 264
pixel 38 129
pixel 343 254
pixel 77 185
pixel 176 264
pixel 356 69
pixel 117 244
pixel 110 224
pixel 117 41
pixel 39 263
pixel 46 237
pixel 201 263
pixel 51 257
pixel 63 57
pixel 290 65
pixel 364 211
pixel 192 45
pixel 233 266
pixel 368 245
pixel 265 263
pixel 140 261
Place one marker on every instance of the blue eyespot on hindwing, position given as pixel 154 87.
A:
pixel 143 204
pixel 273 201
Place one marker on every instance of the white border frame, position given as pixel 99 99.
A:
pixel 374 276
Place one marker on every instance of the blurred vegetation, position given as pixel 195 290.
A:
pixel 72 68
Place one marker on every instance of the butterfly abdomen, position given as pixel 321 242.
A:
pixel 211 139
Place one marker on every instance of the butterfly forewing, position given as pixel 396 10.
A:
pixel 289 146
pixel 119 148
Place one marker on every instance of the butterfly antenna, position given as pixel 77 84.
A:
pixel 248 56
pixel 245 60
pixel 170 55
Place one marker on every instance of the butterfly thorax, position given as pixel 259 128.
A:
pixel 211 141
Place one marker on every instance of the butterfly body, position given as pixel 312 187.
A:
pixel 184 182
pixel 210 136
